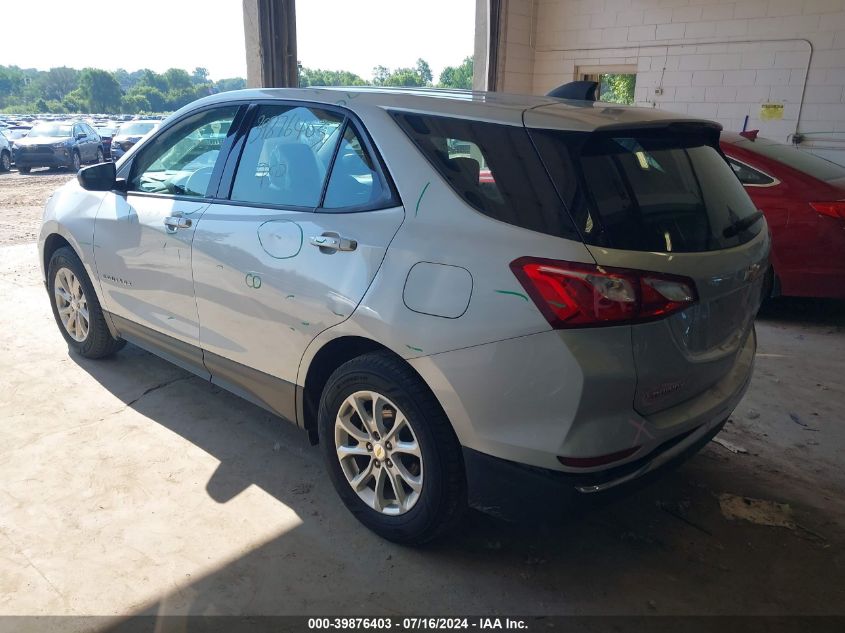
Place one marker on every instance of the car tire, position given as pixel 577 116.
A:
pixel 100 157
pixel 5 161
pixel 24 170
pixel 72 294
pixel 416 422
pixel 76 162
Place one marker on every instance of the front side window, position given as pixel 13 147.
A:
pixel 286 156
pixel 181 160
pixel 492 167
pixel 354 180
pixel 749 176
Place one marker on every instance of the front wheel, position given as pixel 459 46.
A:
pixel 100 157
pixel 391 452
pixel 5 161
pixel 76 163
pixel 76 307
pixel 24 170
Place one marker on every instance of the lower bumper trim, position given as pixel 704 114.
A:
pixel 519 492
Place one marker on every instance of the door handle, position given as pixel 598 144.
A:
pixel 176 222
pixel 329 243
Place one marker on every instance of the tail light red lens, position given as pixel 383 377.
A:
pixel 835 209
pixel 574 295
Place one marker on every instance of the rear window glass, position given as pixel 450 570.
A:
pixel 494 168
pixel 801 160
pixel 648 190
pixel 748 175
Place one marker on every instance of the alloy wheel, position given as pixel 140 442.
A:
pixel 379 452
pixel 71 304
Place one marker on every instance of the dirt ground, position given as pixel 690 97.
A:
pixel 22 201
pixel 128 486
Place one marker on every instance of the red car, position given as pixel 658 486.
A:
pixel 803 199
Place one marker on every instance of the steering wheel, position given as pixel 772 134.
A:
pixel 198 181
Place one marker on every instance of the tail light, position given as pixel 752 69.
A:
pixel 834 209
pixel 573 295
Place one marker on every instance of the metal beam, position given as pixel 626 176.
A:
pixel 270 34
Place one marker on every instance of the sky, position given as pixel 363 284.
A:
pixel 353 35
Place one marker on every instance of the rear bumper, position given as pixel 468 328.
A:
pixel 518 492
pixel 533 399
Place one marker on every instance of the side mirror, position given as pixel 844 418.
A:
pixel 80 136
pixel 99 177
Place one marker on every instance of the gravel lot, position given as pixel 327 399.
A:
pixel 129 486
pixel 22 201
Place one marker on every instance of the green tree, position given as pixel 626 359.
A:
pixel 135 103
pixel 380 75
pixel 152 79
pixel 155 98
pixel 319 77
pixel 200 76
pixel 233 83
pixel 420 75
pixel 59 82
pixel 424 71
pixel 11 80
pixel 177 79
pixel 617 88
pixel 99 90
pixel 457 76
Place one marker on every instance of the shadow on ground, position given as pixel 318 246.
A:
pixel 800 310
pixel 666 549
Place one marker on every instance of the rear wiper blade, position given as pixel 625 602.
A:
pixel 741 225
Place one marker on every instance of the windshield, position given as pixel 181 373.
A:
pixel 52 129
pixel 801 160
pixel 654 191
pixel 136 129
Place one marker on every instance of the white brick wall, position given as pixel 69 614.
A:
pixel 716 58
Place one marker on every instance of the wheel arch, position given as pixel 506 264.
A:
pixel 325 361
pixel 52 243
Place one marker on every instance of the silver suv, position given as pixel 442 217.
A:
pixel 498 300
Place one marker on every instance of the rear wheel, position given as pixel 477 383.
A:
pixel 5 161
pixel 390 450
pixel 76 308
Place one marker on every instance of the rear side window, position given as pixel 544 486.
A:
pixel 749 176
pixel 493 167
pixel 649 190
pixel 354 181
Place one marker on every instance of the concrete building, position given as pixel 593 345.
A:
pixel 781 63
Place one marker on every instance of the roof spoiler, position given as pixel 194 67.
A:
pixel 578 90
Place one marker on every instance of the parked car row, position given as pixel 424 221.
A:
pixel 54 142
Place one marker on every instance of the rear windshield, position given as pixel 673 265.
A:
pixel 650 190
pixel 494 168
pixel 801 160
